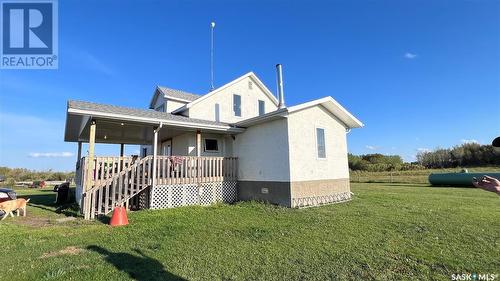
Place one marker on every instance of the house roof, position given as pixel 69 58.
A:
pixel 119 124
pixel 213 92
pixel 329 103
pixel 178 94
pixel 138 115
pixel 172 94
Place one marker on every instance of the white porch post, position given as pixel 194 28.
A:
pixel 89 178
pixel 79 155
pixel 198 143
pixel 155 153
pixel 90 166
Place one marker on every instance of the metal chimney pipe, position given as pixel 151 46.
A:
pixel 281 98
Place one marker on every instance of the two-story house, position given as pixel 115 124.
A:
pixel 236 142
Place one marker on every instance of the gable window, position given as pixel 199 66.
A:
pixel 320 142
pixel 211 145
pixel 262 107
pixel 217 112
pixel 237 105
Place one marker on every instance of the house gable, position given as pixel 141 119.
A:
pixel 248 87
pixel 168 100
pixel 157 99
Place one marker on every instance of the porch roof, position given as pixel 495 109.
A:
pixel 118 124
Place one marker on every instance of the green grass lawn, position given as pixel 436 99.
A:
pixel 387 232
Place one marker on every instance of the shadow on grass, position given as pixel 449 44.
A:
pixel 104 219
pixel 139 267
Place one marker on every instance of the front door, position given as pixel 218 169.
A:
pixel 166 148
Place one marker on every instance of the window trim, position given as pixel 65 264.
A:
pixel 263 107
pixel 205 145
pixel 234 105
pixel 316 141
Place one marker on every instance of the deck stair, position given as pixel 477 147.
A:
pixel 117 189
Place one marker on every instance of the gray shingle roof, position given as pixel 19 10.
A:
pixel 178 94
pixel 135 112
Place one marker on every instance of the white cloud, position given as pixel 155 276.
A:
pixel 423 149
pixel 469 141
pixel 410 56
pixel 85 59
pixel 51 154
pixel 371 147
pixel 96 64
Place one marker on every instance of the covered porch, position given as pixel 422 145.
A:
pixel 153 179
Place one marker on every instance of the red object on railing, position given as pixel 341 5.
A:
pixel 119 217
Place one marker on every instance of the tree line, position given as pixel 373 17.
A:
pixel 467 154
pixel 378 162
pixel 12 175
pixel 464 155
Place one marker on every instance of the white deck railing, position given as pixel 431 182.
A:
pixel 115 180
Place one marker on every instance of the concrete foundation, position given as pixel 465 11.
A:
pixel 268 191
pixel 296 194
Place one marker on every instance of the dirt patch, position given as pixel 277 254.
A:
pixel 33 221
pixel 70 250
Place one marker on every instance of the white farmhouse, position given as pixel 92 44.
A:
pixel 237 142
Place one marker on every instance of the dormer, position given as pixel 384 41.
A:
pixel 167 100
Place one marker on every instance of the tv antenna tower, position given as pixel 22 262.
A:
pixel 212 27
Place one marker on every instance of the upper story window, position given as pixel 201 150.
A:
pixel 211 145
pixel 161 108
pixel 320 142
pixel 237 105
pixel 262 107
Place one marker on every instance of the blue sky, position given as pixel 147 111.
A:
pixel 419 74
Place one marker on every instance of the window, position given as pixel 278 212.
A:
pixel 250 85
pixel 262 107
pixel 320 142
pixel 211 145
pixel 237 105
pixel 217 112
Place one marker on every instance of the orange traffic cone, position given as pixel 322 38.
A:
pixel 119 217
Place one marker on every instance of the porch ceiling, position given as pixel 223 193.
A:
pixel 131 126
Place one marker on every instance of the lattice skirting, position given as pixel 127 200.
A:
pixel 171 196
pixel 320 200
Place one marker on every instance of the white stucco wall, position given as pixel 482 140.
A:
pixel 304 162
pixel 249 103
pixel 173 105
pixel 262 152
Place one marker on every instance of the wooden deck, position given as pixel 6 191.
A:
pixel 115 180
